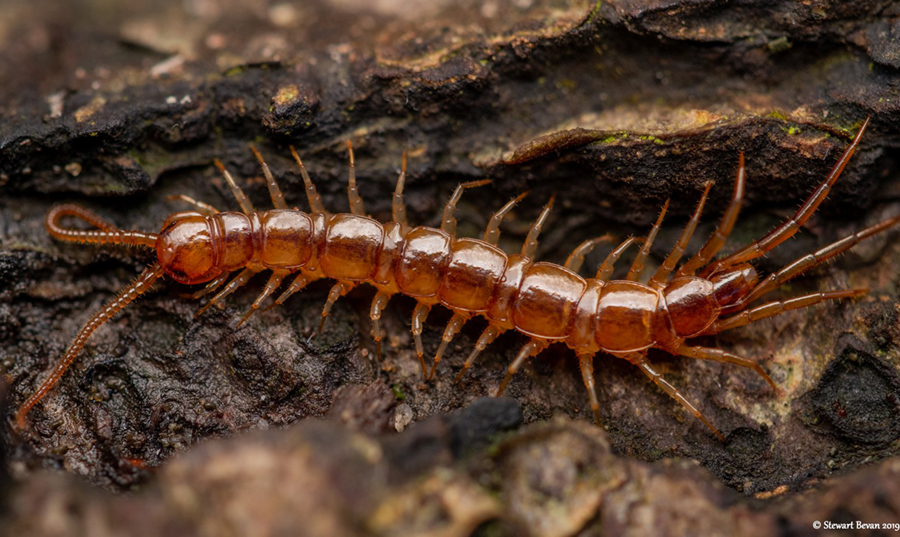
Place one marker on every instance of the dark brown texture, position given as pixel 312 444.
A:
pixel 637 101
pixel 551 479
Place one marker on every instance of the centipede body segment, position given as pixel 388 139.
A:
pixel 472 277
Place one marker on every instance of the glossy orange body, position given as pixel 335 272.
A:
pixel 466 275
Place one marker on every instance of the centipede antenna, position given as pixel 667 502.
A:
pixel 492 233
pixel 106 233
pixel 274 191
pixel 242 199
pixel 398 207
pixel 356 202
pixel 125 297
pixel 315 201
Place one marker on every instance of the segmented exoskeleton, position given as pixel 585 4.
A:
pixel 546 302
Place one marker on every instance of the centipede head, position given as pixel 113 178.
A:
pixel 186 250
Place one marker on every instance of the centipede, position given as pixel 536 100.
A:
pixel 545 302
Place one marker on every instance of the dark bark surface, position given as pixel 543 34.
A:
pixel 614 107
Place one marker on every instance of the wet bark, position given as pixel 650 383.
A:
pixel 614 107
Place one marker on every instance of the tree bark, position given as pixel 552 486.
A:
pixel 614 107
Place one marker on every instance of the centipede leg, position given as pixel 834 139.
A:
pixel 529 247
pixel 315 201
pixel 212 286
pixel 609 264
pixel 202 208
pixel 274 191
pixel 634 274
pixel 448 220
pixel 718 355
pixel 492 233
pixel 239 281
pixel 532 348
pixel 418 321
pixel 398 207
pixel 792 225
pixel 775 280
pixel 576 258
pixel 586 360
pixel 356 202
pixel 301 281
pixel 770 309
pixel 378 304
pixel 489 335
pixel 720 235
pixel 667 266
pixel 242 198
pixel 339 289
pixel 273 283
pixel 659 380
pixel 453 327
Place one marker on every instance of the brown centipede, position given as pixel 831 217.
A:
pixel 473 277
